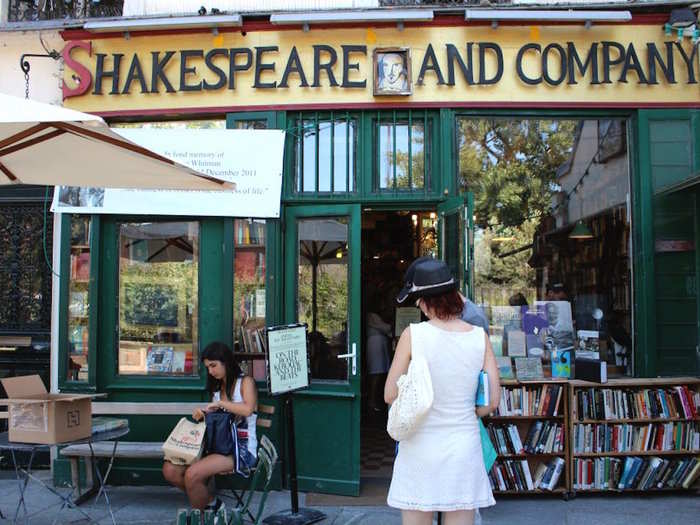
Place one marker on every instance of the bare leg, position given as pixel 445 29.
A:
pixel 458 517
pixel 174 474
pixel 416 517
pixel 197 476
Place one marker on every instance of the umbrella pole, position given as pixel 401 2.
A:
pixel 314 305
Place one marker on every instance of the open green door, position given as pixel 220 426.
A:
pixel 456 239
pixel 322 289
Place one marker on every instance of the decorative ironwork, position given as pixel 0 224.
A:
pixel 36 10
pixel 25 278
pixel 445 3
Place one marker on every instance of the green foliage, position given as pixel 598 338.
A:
pixel 331 297
pixel 511 167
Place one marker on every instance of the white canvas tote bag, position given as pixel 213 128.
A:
pixel 415 396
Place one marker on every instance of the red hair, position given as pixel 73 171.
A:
pixel 445 306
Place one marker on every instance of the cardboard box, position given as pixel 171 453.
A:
pixel 35 416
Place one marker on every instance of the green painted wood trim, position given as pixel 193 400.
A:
pixel 329 486
pixel 448 153
pixel 270 118
pixel 643 249
pixel 318 392
pixel 64 277
pixel 93 294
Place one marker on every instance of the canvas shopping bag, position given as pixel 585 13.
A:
pixel 185 443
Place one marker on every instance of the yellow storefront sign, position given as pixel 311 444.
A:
pixel 630 65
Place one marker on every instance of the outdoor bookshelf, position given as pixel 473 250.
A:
pixel 530 433
pixel 634 435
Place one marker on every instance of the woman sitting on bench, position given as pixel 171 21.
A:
pixel 232 392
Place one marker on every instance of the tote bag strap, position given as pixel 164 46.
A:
pixel 417 340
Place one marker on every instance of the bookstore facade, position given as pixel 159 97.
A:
pixel 555 168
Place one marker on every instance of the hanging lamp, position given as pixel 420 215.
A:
pixel 581 231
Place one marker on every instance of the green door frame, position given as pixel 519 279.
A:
pixel 327 414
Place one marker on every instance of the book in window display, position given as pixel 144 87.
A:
pixel 159 359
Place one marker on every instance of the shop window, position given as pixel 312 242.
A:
pixel 403 148
pixel 249 311
pixel 158 298
pixel 325 148
pixel 78 299
pixel 552 240
pixel 322 291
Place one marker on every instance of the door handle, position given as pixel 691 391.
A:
pixel 352 356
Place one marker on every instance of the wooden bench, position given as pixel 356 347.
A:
pixel 134 449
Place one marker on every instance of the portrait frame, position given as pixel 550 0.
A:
pixel 378 53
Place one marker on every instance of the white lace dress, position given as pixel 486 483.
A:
pixel 441 466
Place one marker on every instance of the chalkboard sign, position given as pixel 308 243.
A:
pixel 287 358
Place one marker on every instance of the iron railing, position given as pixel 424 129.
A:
pixel 38 10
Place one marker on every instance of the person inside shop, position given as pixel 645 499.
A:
pixel 231 392
pixel 446 444
pixel 378 342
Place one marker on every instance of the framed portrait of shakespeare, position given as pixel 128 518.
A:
pixel 392 71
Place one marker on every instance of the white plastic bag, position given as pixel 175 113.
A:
pixel 414 400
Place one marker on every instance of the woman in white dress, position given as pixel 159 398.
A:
pixel 441 466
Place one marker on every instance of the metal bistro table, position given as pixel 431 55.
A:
pixel 25 474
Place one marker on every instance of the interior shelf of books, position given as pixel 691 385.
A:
pixel 78 304
pixel 529 431
pixel 249 296
pixel 635 435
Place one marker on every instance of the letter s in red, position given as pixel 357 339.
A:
pixel 84 77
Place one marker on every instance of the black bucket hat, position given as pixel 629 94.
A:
pixel 426 277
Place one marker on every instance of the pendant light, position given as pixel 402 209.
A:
pixel 581 231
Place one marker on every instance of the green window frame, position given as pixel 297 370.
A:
pixel 431 141
pixel 309 126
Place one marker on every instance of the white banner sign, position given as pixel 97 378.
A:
pixel 252 159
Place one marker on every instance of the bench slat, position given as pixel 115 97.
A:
pixel 159 409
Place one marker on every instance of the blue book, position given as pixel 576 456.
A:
pixel 482 390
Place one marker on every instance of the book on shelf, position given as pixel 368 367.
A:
pixel 80 266
pixel 544 400
pixel 628 437
pixel 505 367
pixel 511 475
pixel 483 397
pixel 505 438
pixel 529 368
pixel 544 437
pixel 548 474
pixel 634 473
pixel 677 402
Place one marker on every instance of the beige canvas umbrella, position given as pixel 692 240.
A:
pixel 51 145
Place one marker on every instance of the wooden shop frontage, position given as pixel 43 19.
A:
pixel 554 167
